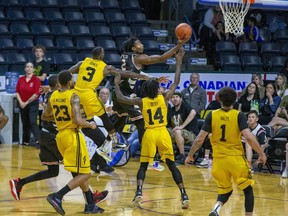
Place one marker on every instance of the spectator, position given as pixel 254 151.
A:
pixel 276 21
pixel 259 132
pixel 285 171
pixel 182 124
pixel 259 16
pixel 281 116
pixel 269 104
pixel 252 31
pixel 284 69
pixel 281 85
pixel 257 78
pixel 211 17
pixel 104 95
pixel 195 95
pixel 3 120
pixel 27 93
pixel 42 69
pixel 250 99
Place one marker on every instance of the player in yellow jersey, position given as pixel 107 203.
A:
pixel 64 105
pixel 156 135
pixel 91 72
pixel 226 126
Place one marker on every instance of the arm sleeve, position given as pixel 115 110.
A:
pixel 207 124
pixel 242 121
pixel 261 138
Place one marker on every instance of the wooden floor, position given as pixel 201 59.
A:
pixel 161 195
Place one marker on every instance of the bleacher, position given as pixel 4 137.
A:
pixel 69 29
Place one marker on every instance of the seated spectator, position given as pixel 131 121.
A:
pixel 259 16
pixel 3 120
pixel 281 116
pixel 260 134
pixel 269 104
pixel 207 27
pixel 276 21
pixel 285 171
pixel 182 124
pixel 257 78
pixel 281 85
pixel 250 99
pixel 104 95
pixel 251 31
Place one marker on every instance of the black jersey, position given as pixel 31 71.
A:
pixel 50 126
pixel 128 85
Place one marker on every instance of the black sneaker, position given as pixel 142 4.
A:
pixel 106 169
pixel 56 203
pixel 185 201
pixel 100 197
pixel 137 199
pixel 92 209
pixel 213 213
pixel 181 159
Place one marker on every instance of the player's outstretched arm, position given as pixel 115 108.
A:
pixel 109 69
pixel 123 99
pixel 75 68
pixel 154 59
pixel 179 57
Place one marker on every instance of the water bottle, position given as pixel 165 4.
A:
pixel 11 81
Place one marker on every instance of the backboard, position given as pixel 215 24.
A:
pixel 262 4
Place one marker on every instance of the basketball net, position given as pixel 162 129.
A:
pixel 234 12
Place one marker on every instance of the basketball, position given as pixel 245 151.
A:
pixel 183 30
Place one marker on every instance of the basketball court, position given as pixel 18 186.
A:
pixel 161 195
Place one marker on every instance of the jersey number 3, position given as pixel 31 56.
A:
pixel 157 116
pixel 91 71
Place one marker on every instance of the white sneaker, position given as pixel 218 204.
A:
pixel 203 164
pixel 285 173
pixel 156 166
pixel 103 153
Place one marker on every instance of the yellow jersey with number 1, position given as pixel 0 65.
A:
pixel 90 74
pixel 154 112
pixel 62 109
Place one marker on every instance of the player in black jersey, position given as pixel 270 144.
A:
pixel 132 59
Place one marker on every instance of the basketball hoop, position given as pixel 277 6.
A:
pixel 234 12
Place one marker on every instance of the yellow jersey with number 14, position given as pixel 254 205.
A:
pixel 154 112
pixel 90 74
pixel 62 109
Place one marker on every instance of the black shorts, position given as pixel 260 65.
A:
pixel 49 153
pixel 120 108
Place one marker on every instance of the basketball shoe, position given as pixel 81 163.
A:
pixel 185 201
pixel 137 199
pixel 100 197
pixel 103 153
pixel 156 166
pixel 285 173
pixel 15 188
pixel 213 213
pixel 92 209
pixel 56 203
pixel 203 164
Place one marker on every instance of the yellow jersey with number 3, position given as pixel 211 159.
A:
pixel 154 112
pixel 90 74
pixel 62 109
pixel 226 135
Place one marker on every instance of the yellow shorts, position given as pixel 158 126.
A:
pixel 72 146
pixel 225 169
pixel 156 137
pixel 92 104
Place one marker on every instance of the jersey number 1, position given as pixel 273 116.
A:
pixel 157 116
pixel 223 127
